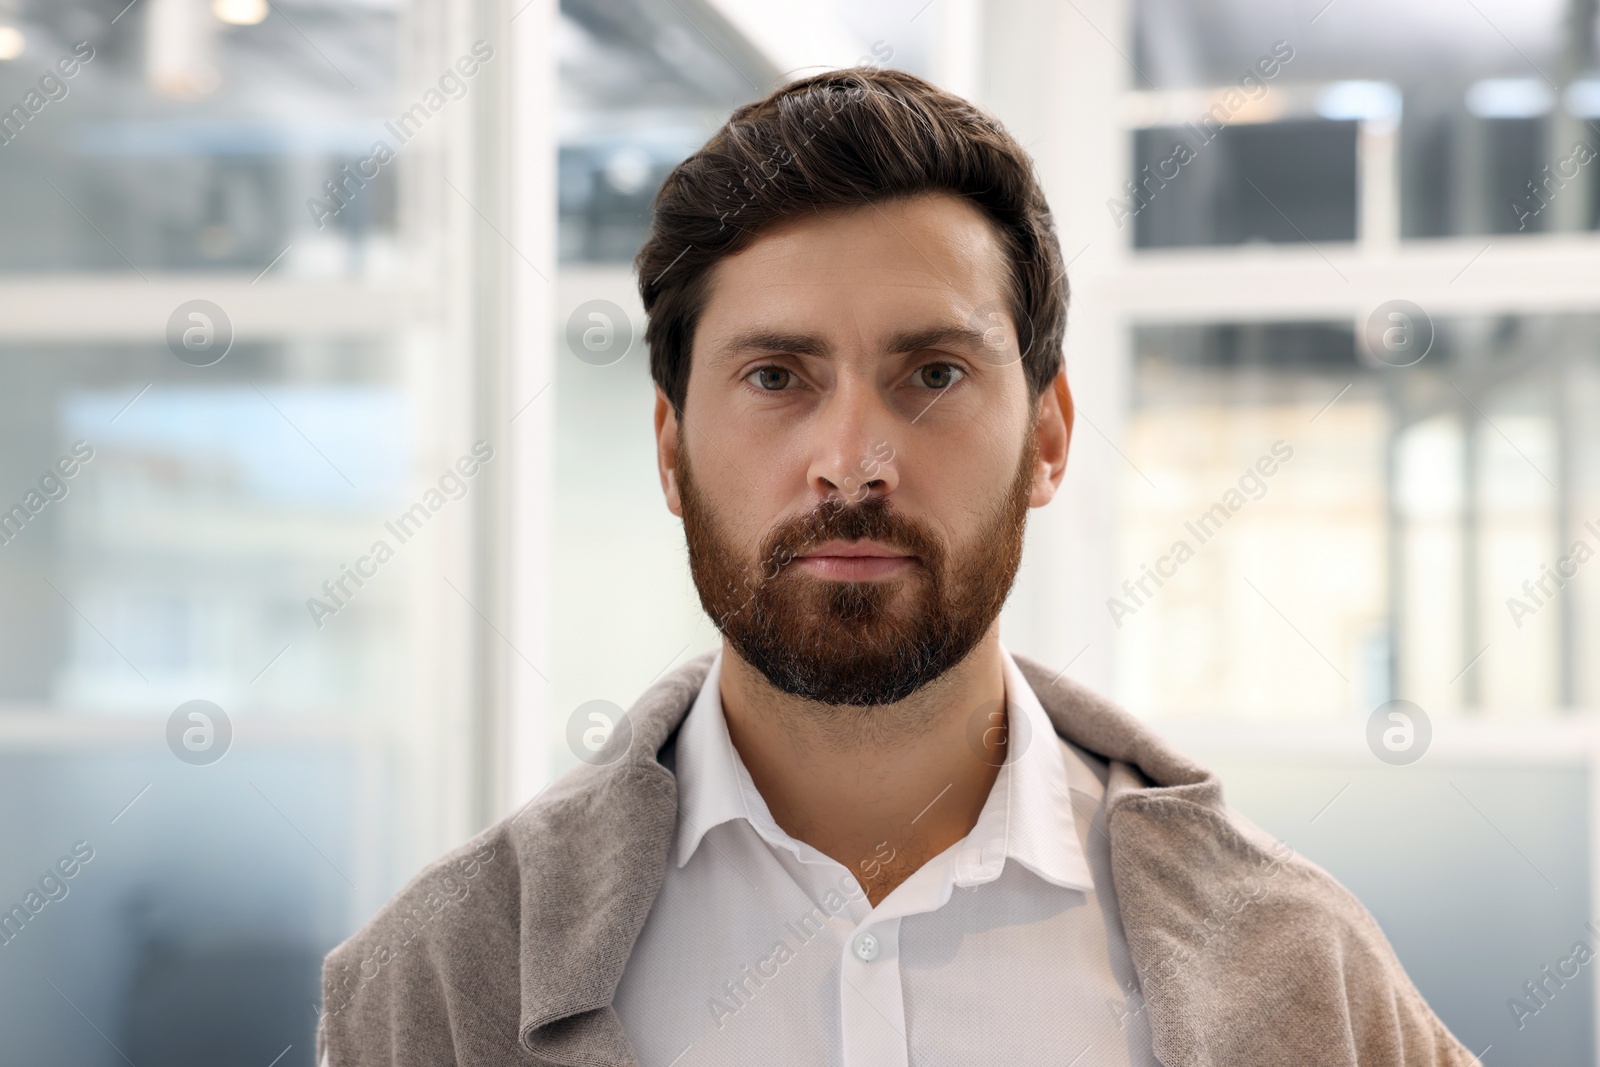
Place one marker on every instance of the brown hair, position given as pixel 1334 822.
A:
pixel 847 138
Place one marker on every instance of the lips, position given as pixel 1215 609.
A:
pixel 855 550
pixel 855 560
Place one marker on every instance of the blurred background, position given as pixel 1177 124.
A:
pixel 275 275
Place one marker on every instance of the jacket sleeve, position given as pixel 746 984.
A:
pixel 383 1004
pixel 432 978
pixel 1389 1020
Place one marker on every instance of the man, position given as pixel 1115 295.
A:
pixel 863 833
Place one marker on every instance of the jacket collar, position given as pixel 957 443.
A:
pixel 614 825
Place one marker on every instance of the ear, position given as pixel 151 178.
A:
pixel 667 452
pixel 1054 434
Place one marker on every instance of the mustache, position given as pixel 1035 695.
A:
pixel 874 519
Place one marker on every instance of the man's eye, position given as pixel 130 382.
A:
pixel 772 379
pixel 939 375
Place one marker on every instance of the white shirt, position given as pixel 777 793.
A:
pixel 1005 948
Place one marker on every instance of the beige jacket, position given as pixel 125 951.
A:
pixel 509 949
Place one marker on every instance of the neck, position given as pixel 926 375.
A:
pixel 880 789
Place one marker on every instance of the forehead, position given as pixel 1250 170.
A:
pixel 864 269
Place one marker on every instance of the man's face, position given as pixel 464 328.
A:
pixel 857 452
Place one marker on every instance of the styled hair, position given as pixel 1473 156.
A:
pixel 844 139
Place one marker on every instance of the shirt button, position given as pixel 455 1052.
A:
pixel 865 947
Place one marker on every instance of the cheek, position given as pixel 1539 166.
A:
pixel 726 497
pixel 750 481
pixel 960 473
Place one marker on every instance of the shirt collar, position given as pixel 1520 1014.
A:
pixel 1028 815
pixel 714 786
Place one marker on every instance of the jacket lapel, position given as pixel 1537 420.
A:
pixel 1247 955
pixel 594 848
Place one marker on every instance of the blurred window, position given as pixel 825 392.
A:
pixel 1404 513
pixel 1480 123
pixel 183 142
pixel 641 87
pixel 229 341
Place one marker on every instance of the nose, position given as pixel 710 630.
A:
pixel 853 454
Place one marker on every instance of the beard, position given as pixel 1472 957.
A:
pixel 856 643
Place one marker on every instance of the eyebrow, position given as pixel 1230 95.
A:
pixel 937 337
pixel 801 344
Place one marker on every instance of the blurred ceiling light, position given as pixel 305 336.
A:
pixel 628 170
pixel 1509 98
pixel 240 12
pixel 1582 99
pixel 1362 101
pixel 11 42
pixel 180 48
